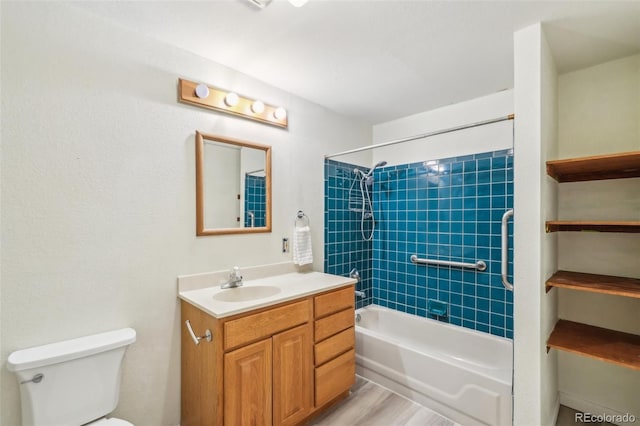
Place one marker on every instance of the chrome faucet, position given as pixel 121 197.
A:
pixel 234 280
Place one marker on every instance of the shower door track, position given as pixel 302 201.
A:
pixel 425 135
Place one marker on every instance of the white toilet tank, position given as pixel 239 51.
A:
pixel 71 382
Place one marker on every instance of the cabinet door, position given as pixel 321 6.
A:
pixel 292 375
pixel 247 385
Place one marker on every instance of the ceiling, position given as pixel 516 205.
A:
pixel 377 60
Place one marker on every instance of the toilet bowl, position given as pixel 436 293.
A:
pixel 73 382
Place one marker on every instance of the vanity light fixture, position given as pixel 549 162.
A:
pixel 257 107
pixel 205 96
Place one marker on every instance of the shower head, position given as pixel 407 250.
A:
pixel 379 164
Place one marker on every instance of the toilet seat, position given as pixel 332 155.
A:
pixel 110 422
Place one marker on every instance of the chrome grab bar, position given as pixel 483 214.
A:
pixel 196 339
pixel 504 267
pixel 479 265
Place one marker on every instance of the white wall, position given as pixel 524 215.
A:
pixel 98 190
pixel 486 138
pixel 599 113
pixel 549 402
pixel 535 375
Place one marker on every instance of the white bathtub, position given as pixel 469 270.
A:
pixel 460 373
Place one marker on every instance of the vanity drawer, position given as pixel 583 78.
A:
pixel 265 324
pixel 328 326
pixel 334 346
pixel 333 302
pixel 335 377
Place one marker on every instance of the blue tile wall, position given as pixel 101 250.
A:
pixel 344 247
pixel 447 209
pixel 255 200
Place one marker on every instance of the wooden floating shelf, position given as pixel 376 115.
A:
pixel 600 167
pixel 594 226
pixel 600 343
pixel 606 284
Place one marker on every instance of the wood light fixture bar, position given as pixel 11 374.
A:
pixel 205 96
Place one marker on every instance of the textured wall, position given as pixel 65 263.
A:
pixel 98 191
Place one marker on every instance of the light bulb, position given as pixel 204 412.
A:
pixel 280 113
pixel 231 99
pixel 202 91
pixel 257 107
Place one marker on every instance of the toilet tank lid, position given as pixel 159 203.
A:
pixel 68 350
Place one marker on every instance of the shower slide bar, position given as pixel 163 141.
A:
pixel 479 265
pixel 425 135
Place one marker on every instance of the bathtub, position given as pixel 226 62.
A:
pixel 460 373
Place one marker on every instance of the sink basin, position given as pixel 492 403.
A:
pixel 243 294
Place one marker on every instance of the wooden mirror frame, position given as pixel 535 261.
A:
pixel 200 202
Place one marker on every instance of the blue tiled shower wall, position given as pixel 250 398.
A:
pixel 344 247
pixel 255 200
pixel 447 209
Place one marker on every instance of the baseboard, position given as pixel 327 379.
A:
pixel 577 403
pixel 554 416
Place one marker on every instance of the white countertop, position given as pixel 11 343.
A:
pixel 292 286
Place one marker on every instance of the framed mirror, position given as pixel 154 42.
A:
pixel 233 186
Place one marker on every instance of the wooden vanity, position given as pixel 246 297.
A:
pixel 275 365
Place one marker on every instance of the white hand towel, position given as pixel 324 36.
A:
pixel 302 254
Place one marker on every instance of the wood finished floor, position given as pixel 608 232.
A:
pixel 372 405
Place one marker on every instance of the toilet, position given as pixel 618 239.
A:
pixel 74 382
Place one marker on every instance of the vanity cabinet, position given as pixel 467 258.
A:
pixel 334 353
pixel 277 365
pixel 245 403
pixel 292 375
pixel 282 367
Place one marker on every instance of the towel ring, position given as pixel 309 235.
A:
pixel 301 216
